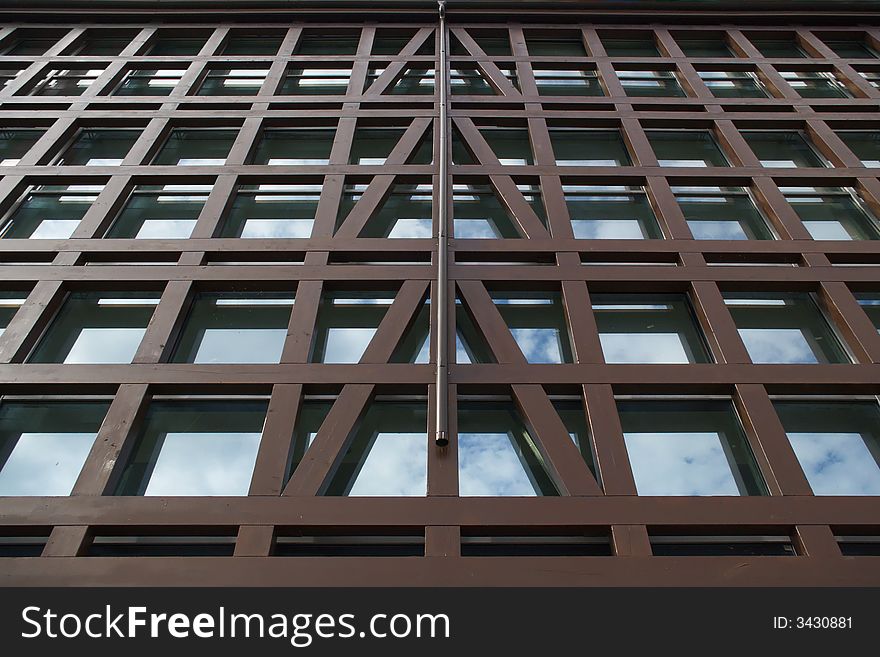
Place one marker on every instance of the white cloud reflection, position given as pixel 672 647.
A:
pixel 778 345
pixel 489 465
pixel 397 464
pixel 241 345
pixel 837 463
pixel 539 345
pixel 643 348
pixel 105 345
pixel 45 463
pixel 685 463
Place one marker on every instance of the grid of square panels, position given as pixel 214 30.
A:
pixel 217 254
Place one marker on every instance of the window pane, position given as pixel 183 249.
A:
pixel 511 145
pixel 166 45
pixel 294 146
pixel 686 148
pixel 496 454
pixel 415 79
pixel 479 214
pixel 778 48
pixel 315 81
pixel 95 45
pixel 195 448
pixel 567 82
pixel 388 454
pixel 468 80
pixel 537 322
pixel 323 42
pixel 837 444
pixel 657 328
pixel 169 212
pixel 852 49
pixel 66 82
pixel 589 148
pixel 622 213
pixel 346 323
pixel 815 84
pixel 834 215
pixel 373 145
pixel 688 448
pixel 311 415
pixel 571 412
pixel 559 45
pixel 272 211
pixel 149 82
pixel 649 83
pixel 50 212
pixel 785 328
pixel 256 44
pixel 715 213
pixel 235 327
pixel 233 82
pixel 94 327
pixel 705 47
pixel 865 145
pixel 10 302
pixel 15 143
pixel 99 148
pixel 405 214
pixel 870 303
pixel 638 47
pixel 470 346
pixel 197 147
pixel 782 149
pixel 44 444
pixel 734 84
pixel 29 46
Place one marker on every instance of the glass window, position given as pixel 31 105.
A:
pixel 66 82
pixel 870 303
pixel 649 83
pixel 589 148
pixel 721 213
pixel 175 45
pixel 392 41
pixel 779 48
pixel 372 146
pixel 8 73
pixel 714 47
pixel 311 415
pixel 30 45
pixel 324 81
pixel 406 212
pixel 496 454
pixel 556 44
pixel 97 328
pixel 602 212
pixel 511 145
pixel 252 44
pixel 468 80
pixel 643 46
pixel 160 212
pixel 197 147
pixel 470 345
pixel 235 327
pixel 836 442
pixel 873 78
pixel 15 143
pixel 10 302
pixel 50 212
pixel 784 328
pixel 149 82
pixel 346 323
pixel 787 148
pixel 491 42
pixel 99 147
pixel 688 447
pixel 44 444
pixel 294 146
pixel 324 42
pixel 648 328
pixel 864 144
pixel 537 322
pixel 566 81
pixel 415 345
pixel 388 453
pixel 815 84
pixel 195 447
pixel 852 49
pixel 832 213
pixel 478 214
pixel 415 79
pixel 97 43
pixel 233 81
pixel 686 148
pixel 272 210
pixel 734 84
pixel 573 416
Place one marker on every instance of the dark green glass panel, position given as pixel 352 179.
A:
pixel 153 214
pixel 207 147
pixel 99 148
pixel 782 149
pixel 294 146
pixel 686 148
pixel 15 143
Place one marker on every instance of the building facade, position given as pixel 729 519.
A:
pixel 658 282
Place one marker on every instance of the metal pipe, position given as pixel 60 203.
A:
pixel 441 437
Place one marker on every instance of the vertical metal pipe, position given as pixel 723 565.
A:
pixel 441 437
